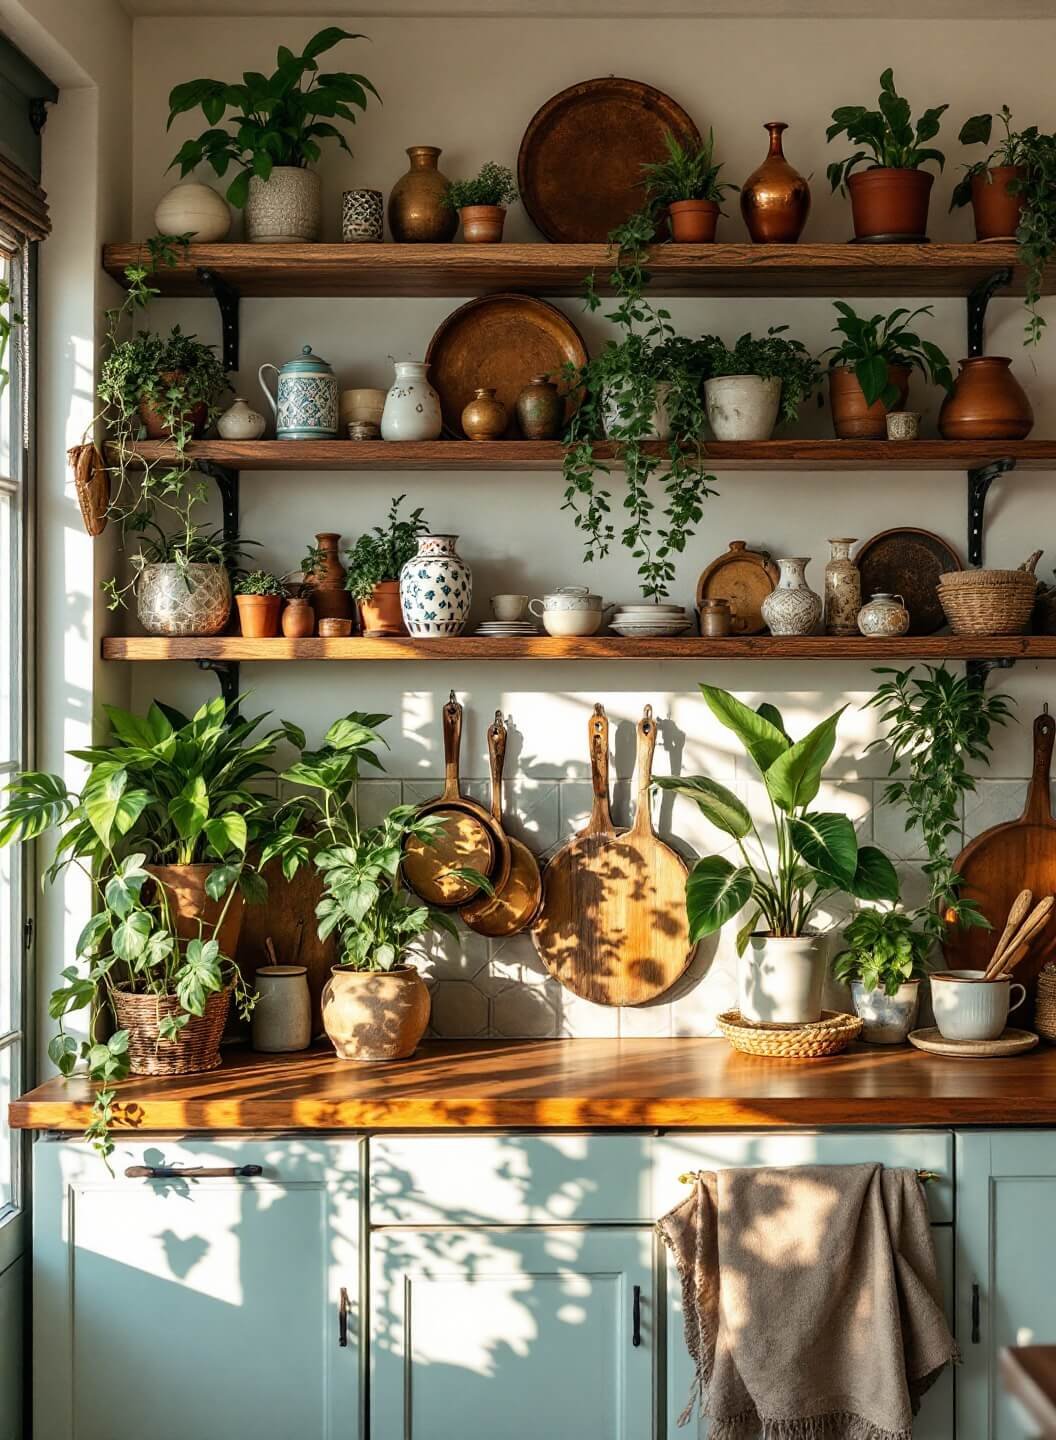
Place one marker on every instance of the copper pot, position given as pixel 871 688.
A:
pixel 693 222
pixel 852 418
pixel 417 213
pixel 890 203
pixel 382 613
pixel 482 224
pixel 298 619
pixel 540 409
pixel 194 913
pixel 775 199
pixel 258 615
pixel 484 418
pixel 988 403
pixel 154 422
pixel 997 211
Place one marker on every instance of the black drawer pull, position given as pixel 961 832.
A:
pixel 342 1319
pixel 194 1172
pixel 975 1314
pixel 636 1317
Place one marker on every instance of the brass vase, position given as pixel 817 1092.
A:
pixel 775 199
pixel 417 213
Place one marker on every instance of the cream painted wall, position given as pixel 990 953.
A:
pixel 471 85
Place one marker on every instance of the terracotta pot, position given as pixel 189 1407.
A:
pixel 258 615
pixel 482 224
pixel 775 199
pixel 484 418
pixel 988 403
pixel 693 222
pixel 890 203
pixel 417 212
pixel 298 619
pixel 154 422
pixel 852 418
pixel 997 212
pixel 325 587
pixel 371 1016
pixel 193 912
pixel 382 614
pixel 540 409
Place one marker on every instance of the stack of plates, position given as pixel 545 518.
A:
pixel 646 620
pixel 508 627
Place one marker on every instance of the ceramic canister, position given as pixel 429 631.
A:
pixel 436 588
pixel 306 403
pixel 282 1016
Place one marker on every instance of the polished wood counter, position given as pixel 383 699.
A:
pixel 568 1084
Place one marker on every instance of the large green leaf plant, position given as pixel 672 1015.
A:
pixel 815 854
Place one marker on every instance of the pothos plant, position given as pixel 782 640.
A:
pixel 885 137
pixel 870 346
pixel 883 950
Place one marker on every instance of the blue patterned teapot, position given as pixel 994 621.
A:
pixel 306 402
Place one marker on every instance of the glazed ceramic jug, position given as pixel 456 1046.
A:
pixel 775 199
pixel 884 615
pixel 843 590
pixel 436 588
pixel 793 608
pixel 412 406
pixel 305 404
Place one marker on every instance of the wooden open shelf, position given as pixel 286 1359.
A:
pixel 594 647
pixel 765 455
pixel 463 270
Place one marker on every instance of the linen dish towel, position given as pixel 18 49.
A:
pixel 812 1303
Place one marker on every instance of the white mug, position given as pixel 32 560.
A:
pixel 967 1007
pixel 509 607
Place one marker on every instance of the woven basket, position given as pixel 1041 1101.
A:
pixel 827 1036
pixel 1045 1005
pixel 988 602
pixel 197 1047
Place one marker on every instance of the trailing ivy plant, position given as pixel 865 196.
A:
pixel 771 357
pixel 688 172
pixel 886 137
pixel 188 546
pixel 868 347
pixel 9 320
pixel 494 185
pixel 1034 153
pixel 381 554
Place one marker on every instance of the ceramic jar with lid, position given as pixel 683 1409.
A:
pixel 884 615
pixel 436 588
pixel 793 608
pixel 843 590
pixel 569 610
pixel 305 404
pixel 282 1016
pixel 412 406
pixel 716 619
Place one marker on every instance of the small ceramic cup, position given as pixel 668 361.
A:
pixel 903 425
pixel 363 430
pixel 509 607
pixel 967 1007
pixel 361 216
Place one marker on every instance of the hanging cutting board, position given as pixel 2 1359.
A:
pixel 613 926
pixel 1002 861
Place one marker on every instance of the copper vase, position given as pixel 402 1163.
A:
pixel 417 213
pixel 325 587
pixel 775 199
pixel 987 403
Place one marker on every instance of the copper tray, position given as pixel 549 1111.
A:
pixel 908 562
pixel 579 168
pixel 743 577
pixel 499 341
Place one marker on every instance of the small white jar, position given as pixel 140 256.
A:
pixel 241 422
pixel 412 406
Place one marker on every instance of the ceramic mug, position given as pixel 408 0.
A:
pixel 967 1007
pixel 509 607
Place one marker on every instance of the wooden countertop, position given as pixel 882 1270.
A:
pixel 569 1084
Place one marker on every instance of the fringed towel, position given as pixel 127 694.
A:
pixel 813 1309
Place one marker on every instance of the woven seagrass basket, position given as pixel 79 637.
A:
pixel 988 602
pixel 827 1036
pixel 195 1048
pixel 1045 1005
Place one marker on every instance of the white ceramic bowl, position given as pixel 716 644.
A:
pixel 571 622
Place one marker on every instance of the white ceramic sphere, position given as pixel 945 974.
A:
pixel 195 209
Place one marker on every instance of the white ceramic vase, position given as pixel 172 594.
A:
pixel 742 407
pixel 241 422
pixel 792 608
pixel 285 209
pixel 887 1019
pixel 780 979
pixel 196 210
pixel 412 406
pixel 660 427
pixel 436 588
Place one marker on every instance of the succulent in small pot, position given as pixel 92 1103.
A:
pixel 686 184
pixel 752 383
pixel 171 385
pixel 885 959
pixel 869 369
pixel 889 200
pixel 259 596
pixel 183 581
pixel 481 203
pixel 374 564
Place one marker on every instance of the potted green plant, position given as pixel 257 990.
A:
pixel 686 184
pixel 889 199
pixel 750 383
pixel 884 960
pixel 171 384
pixel 482 203
pixel 259 596
pixel 869 369
pixel 814 856
pixel 273 135
pixel 375 1004
pixel 182 581
pixel 374 564
pixel 1013 196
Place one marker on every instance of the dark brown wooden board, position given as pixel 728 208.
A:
pixel 908 563
pixel 287 916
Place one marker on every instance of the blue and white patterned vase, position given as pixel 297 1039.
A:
pixel 436 588
pixel 305 404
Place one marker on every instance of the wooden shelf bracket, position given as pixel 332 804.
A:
pixel 226 297
pixel 979 482
pixel 979 298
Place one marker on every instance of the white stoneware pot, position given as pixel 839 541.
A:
pixel 792 608
pixel 967 1007
pixel 660 428
pixel 436 588
pixel 196 210
pixel 742 407
pixel 887 1019
pixel 884 615
pixel 412 406
pixel 241 422
pixel 282 1016
pixel 780 979
pixel 183 600
pixel 285 209
pixel 373 1016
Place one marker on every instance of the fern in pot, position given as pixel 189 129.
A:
pixel 373 568
pixel 751 384
pixel 686 185
pixel 884 960
pixel 482 203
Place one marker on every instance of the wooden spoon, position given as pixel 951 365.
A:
pixel 1016 916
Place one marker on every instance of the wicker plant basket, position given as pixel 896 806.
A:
pixel 1045 1005
pixel 827 1036
pixel 197 1047
pixel 988 602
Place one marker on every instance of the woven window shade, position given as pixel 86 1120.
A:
pixel 23 204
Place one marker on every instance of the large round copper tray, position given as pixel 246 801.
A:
pixel 579 169
pixel 499 341
pixel 908 562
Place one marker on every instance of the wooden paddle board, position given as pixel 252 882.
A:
pixel 514 905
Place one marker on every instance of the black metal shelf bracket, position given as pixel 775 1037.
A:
pixel 979 298
pixel 979 482
pixel 978 671
pixel 226 672
pixel 227 483
pixel 226 297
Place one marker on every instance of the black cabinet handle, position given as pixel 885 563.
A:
pixel 342 1319
pixel 194 1172
pixel 975 1314
pixel 636 1317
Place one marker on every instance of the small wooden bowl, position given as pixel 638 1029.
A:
pixel 334 628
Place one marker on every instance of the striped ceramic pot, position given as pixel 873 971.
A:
pixel 436 588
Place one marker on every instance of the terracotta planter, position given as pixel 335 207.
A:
pixel 298 619
pixel 154 422
pixel 693 222
pixel 382 614
pixel 258 615
pixel 372 1016
pixel 193 912
pixel 325 588
pixel 997 212
pixel 482 224
pixel 988 403
pixel 852 418
pixel 890 203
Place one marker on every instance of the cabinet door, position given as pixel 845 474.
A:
pixel 515 1332
pixel 202 1306
pixel 1006 1197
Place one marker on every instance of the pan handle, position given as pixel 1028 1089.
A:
pixel 598 737
pixel 452 746
pixel 497 759
pixel 644 764
pixel 1039 804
